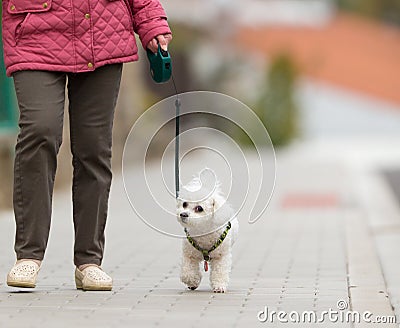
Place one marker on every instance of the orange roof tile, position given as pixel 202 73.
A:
pixel 350 51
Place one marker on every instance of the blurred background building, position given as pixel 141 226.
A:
pixel 313 70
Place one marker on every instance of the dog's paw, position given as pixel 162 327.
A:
pixel 191 281
pixel 219 289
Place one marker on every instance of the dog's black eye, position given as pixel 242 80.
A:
pixel 185 204
pixel 198 209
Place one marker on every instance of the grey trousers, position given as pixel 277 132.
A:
pixel 92 99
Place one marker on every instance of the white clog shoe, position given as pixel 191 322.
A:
pixel 23 274
pixel 92 278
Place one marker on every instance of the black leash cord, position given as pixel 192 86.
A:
pixel 177 132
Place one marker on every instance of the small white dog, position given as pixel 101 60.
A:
pixel 211 229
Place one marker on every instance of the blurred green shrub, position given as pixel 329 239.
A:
pixel 385 10
pixel 276 106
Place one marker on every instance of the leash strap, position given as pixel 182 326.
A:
pixel 161 72
pixel 177 132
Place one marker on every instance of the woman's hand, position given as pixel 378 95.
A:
pixel 162 39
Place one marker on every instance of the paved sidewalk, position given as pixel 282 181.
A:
pixel 312 248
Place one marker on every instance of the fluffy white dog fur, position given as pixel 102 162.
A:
pixel 205 215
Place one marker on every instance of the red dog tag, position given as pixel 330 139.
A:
pixel 205 266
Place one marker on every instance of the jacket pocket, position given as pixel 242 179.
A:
pixel 23 10
pixel 28 6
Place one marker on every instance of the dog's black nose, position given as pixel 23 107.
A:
pixel 184 215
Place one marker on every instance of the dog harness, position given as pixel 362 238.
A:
pixel 206 252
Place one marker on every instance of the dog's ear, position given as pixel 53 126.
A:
pixel 217 202
pixel 214 204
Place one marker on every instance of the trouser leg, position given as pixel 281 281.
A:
pixel 40 97
pixel 92 99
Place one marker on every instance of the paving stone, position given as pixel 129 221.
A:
pixel 296 259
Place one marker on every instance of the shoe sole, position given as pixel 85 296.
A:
pixel 95 288
pixel 80 286
pixel 21 284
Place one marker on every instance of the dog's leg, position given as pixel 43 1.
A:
pixel 219 275
pixel 190 272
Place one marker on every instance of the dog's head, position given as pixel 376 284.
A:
pixel 197 207
pixel 195 212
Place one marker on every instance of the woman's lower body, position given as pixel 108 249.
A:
pixel 41 97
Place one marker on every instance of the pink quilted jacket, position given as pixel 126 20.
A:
pixel 77 35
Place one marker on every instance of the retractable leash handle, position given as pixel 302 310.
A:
pixel 161 72
pixel 160 65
